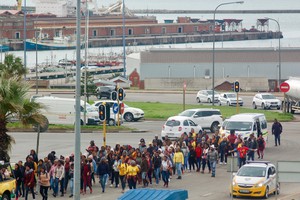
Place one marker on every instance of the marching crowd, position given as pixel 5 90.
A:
pixel 126 166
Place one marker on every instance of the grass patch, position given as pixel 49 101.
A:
pixel 17 125
pixel 164 110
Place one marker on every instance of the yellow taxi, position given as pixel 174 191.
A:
pixel 7 182
pixel 255 179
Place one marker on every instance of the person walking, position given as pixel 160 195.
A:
pixel 223 150
pixel 205 159
pixel 58 177
pixel 86 176
pixel 261 147
pixel 144 170
pixel 252 144
pixel 44 181
pixel 122 173
pixel 198 151
pixel 276 131
pixel 156 166
pixel 212 159
pixel 18 176
pixel 102 172
pixel 178 160
pixel 185 151
pixel 71 176
pixel 29 182
pixel 165 167
pixel 192 157
pixel 131 175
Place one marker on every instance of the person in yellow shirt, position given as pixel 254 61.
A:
pixel 178 160
pixel 132 171
pixel 122 173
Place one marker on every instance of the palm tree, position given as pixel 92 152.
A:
pixel 13 102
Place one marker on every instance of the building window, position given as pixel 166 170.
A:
pixel 130 31
pixel 57 33
pixel 180 29
pixel 195 28
pixel 17 35
pixel 112 32
pixel 147 30
pixel 94 33
pixel 163 30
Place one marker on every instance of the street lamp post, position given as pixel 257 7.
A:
pixel 24 39
pixel 214 39
pixel 279 50
pixel 123 38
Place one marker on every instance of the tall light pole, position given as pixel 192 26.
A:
pixel 86 59
pixel 279 50
pixel 123 38
pixel 214 39
pixel 77 105
pixel 25 37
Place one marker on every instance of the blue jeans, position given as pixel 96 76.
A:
pixel 251 155
pixel 103 179
pixel 165 176
pixel 213 167
pixel 178 167
pixel 186 158
pixel 198 163
pixel 156 173
pixel 55 185
pixel 72 185
pixel 18 190
pixel 277 139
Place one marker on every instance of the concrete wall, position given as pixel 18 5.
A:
pixel 246 84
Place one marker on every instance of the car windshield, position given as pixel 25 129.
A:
pixel 90 108
pixel 231 95
pixel 268 96
pixel 209 92
pixel 187 113
pixel 238 126
pixel 172 123
pixel 252 171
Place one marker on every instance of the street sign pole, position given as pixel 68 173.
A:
pixel 237 103
pixel 184 88
pixel 104 132
pixel 118 114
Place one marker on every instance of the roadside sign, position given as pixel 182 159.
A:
pixel 121 108
pixel 284 87
pixel 115 108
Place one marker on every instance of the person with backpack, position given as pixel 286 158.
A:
pixel 44 181
pixel 261 147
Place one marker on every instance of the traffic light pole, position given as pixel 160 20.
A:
pixel 104 133
pixel 237 103
pixel 118 116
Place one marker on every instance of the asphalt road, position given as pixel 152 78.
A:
pixel 199 186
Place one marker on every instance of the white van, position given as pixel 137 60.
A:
pixel 62 110
pixel 245 124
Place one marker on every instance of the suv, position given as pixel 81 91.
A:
pixel 105 91
pixel 255 179
pixel 206 117
pixel 266 101
pixel 130 113
pixel 206 96
pixel 7 182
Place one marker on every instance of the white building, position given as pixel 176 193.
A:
pixel 60 8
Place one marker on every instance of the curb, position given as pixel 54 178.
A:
pixel 72 131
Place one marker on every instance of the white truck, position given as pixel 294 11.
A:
pixel 62 110
pixel 293 95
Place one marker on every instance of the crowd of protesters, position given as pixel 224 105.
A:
pixel 126 166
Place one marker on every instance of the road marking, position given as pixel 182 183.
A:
pixel 206 195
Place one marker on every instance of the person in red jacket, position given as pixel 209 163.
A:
pixel 198 150
pixel 86 175
pixel 29 182
pixel 231 139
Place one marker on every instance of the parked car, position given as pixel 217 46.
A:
pixel 206 117
pixel 206 96
pixel 130 113
pixel 255 179
pixel 177 125
pixel 266 101
pixel 105 91
pixel 229 99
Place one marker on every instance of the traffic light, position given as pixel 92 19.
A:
pixel 114 95
pixel 237 86
pixel 120 94
pixel 102 112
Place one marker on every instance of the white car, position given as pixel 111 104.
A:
pixel 177 125
pixel 266 101
pixel 229 99
pixel 206 96
pixel 255 179
pixel 130 113
pixel 206 117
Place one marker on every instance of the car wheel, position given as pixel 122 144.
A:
pixel 263 106
pixel 5 197
pixel 220 104
pixel 128 117
pixel 254 105
pixel 209 100
pixel 111 122
pixel 278 108
pixel 198 100
pixel 214 127
pixel 266 196
pixel 228 104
